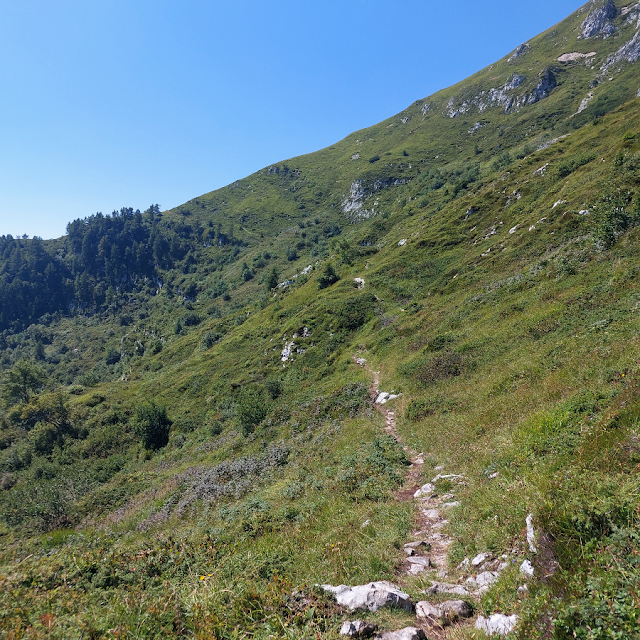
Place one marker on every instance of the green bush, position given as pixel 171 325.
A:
pixel 327 276
pixel 152 426
pixel 252 410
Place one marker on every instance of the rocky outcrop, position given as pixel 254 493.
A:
pixel 520 51
pixel 546 85
pixel 353 203
pixel 629 52
pixel 372 596
pixel 504 96
pixel 598 21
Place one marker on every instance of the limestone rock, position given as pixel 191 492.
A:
pixel 526 568
pixel 443 614
pixel 480 559
pixel 425 491
pixel 372 596
pixel 358 629
pixel 444 587
pixel 454 610
pixel 597 22
pixel 497 624
pixel 409 633
pixel 520 51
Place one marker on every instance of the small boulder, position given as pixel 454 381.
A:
pixel 444 587
pixel 455 610
pixel 526 568
pixel 358 629
pixel 425 491
pixel 409 633
pixel 481 558
pixel 497 624
pixel 428 612
pixel 372 596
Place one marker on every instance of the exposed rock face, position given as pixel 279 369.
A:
pixel 497 624
pixel 358 629
pixel 629 52
pixel 522 50
pixel 354 201
pixel 597 22
pixel 546 85
pixel 504 96
pixel 410 633
pixel 372 596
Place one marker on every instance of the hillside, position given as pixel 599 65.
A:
pixel 190 439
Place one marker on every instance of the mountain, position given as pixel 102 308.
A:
pixel 193 435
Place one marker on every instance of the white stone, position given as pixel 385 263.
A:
pixel 402 242
pixel 526 568
pixel 360 282
pixel 513 230
pixel 366 523
pixel 425 490
pixel 431 514
pixel 372 596
pixel 487 578
pixel 409 633
pixel 497 624
pixel 450 505
pixel 531 534
pixel 480 559
pixel 584 212
pixel 383 398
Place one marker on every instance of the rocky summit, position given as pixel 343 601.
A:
pixel 407 363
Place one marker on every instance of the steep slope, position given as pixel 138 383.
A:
pixel 485 248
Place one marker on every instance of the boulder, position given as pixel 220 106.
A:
pixel 526 568
pixel 497 624
pixel 358 629
pixel 409 633
pixel 598 21
pixel 372 596
pixel 443 614
pixel 444 587
pixel 480 559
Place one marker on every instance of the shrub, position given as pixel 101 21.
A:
pixel 292 254
pixel 355 312
pixel 152 426
pixel 191 319
pixel 209 339
pixel 274 388
pixel 22 381
pixel 447 364
pixel 327 276
pixel 251 410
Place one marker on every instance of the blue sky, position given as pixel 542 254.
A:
pixel 129 103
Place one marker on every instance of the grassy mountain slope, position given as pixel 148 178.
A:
pixel 498 251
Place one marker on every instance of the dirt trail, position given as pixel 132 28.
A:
pixel 429 520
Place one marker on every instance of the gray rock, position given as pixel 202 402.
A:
pixel 481 558
pixel 598 21
pixel 422 545
pixel 426 490
pixel 486 579
pixel 522 50
pixel 443 614
pixel 358 629
pixel 531 534
pixel 454 610
pixel 497 624
pixel 423 560
pixel 409 633
pixel 372 596
pixel 526 568
pixel 444 587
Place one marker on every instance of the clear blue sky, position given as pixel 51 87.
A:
pixel 127 103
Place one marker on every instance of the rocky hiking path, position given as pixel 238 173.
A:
pixel 426 553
